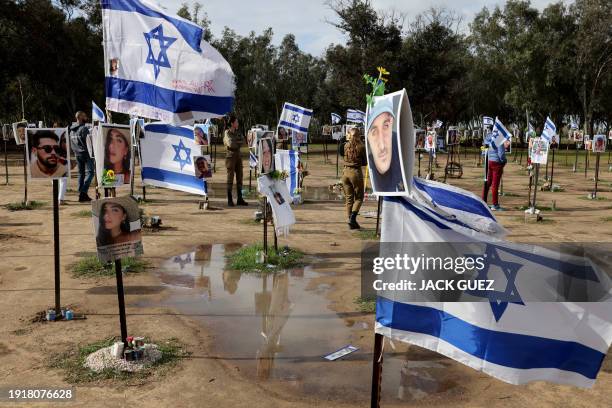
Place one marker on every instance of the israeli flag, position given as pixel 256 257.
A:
pixel 515 342
pixel 355 116
pixel 573 124
pixel 289 161
pixel 158 66
pixel 487 121
pixel 500 133
pixel 252 159
pixel 438 124
pixel 97 114
pixel 530 128
pixel 549 129
pixel 295 117
pixel 167 158
pixel 335 118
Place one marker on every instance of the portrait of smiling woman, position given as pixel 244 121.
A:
pixel 118 153
pixel 114 218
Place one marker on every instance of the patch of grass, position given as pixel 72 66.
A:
pixel 598 198
pixel 250 221
pixel 365 304
pixel 32 205
pixel 92 267
pixel 75 372
pixel 82 213
pixel 541 208
pixel 367 234
pixel 508 194
pixel 607 219
pixel 245 259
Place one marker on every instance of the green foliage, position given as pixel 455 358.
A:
pixel 366 304
pixel 367 234
pixel 245 259
pixel 72 363
pixel 91 267
pixel 31 205
pixel 83 213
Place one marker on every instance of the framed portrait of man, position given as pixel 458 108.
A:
pixel 202 166
pixel 19 132
pixel 48 153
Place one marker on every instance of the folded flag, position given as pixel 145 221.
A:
pixel 289 161
pixel 295 117
pixel 549 129
pixel 355 116
pixel 96 113
pixel 335 118
pixel 167 158
pixel 516 342
pixel 158 66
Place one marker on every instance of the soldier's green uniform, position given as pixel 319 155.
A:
pixel 352 179
pixel 233 163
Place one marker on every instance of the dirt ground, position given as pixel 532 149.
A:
pixel 26 285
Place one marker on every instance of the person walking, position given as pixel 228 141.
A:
pixel 353 151
pixel 233 162
pixel 496 162
pixel 79 133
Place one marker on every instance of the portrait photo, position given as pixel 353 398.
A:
pixel 389 121
pixel 200 135
pixel 19 131
pixel 282 133
pixel 577 136
pixel 251 138
pixel 452 137
pixel 419 139
pixel 599 144
pixel 113 66
pixel 113 154
pixel 202 166
pixel 265 156
pixel 430 140
pixel 48 153
pixel 117 228
pixel 299 138
pixel 539 150
pixel 6 131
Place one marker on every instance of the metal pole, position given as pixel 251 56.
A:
pixel 377 366
pixel 596 174
pixel 25 176
pixel 337 156
pixel 530 185
pixel 552 170
pixel 6 162
pixel 586 163
pixel 250 178
pixel 265 228
pixel 378 210
pixel 56 246
pixel 576 160
pixel 535 187
pixel 121 299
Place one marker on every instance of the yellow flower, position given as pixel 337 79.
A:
pixel 382 71
pixel 110 174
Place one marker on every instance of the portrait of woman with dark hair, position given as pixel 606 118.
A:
pixel 114 225
pixel 200 136
pixel 282 134
pixel 266 156
pixel 117 153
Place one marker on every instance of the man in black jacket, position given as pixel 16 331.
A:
pixel 78 143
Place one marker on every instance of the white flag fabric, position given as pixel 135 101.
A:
pixel 487 121
pixel 335 118
pixel 500 133
pixel 517 342
pixel 295 117
pixel 167 158
pixel 438 124
pixel 97 113
pixel 158 66
pixel 289 161
pixel 355 116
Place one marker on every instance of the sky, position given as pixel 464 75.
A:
pixel 307 19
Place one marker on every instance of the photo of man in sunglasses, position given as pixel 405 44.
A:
pixel 47 158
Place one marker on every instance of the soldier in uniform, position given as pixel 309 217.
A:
pixel 233 162
pixel 354 154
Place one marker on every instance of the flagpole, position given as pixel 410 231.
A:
pixel 377 367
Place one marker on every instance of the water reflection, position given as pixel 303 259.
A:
pixel 276 328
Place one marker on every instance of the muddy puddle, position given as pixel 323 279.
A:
pixel 275 330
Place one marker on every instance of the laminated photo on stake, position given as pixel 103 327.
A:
pixel 113 152
pixel 539 150
pixel 19 129
pixel 265 156
pixel 599 144
pixel 202 166
pixel 390 144
pixel 279 199
pixel 117 228
pixel 48 153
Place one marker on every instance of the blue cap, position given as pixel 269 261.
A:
pixel 383 105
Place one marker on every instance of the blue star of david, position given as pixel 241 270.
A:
pixel 182 262
pixel 295 118
pixel 496 298
pixel 177 156
pixel 164 43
